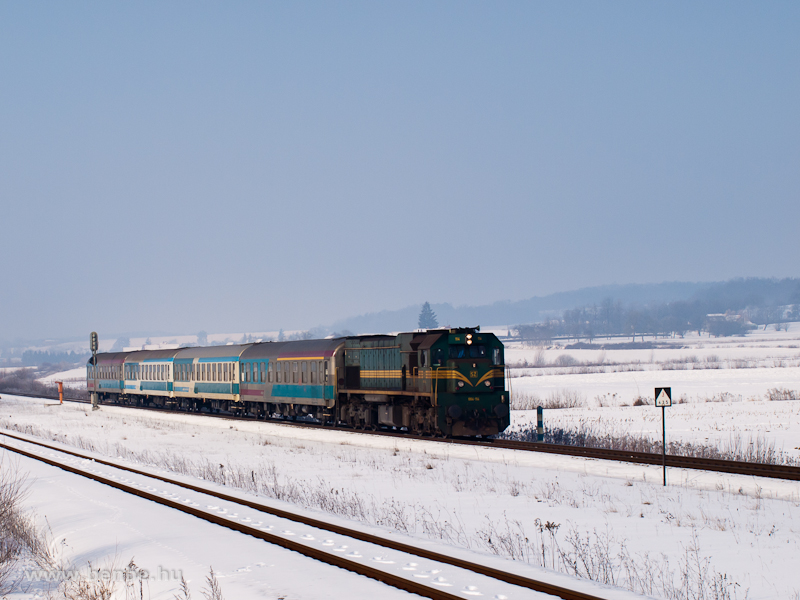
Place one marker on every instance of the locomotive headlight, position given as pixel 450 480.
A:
pixel 488 383
pixel 469 336
pixel 460 384
pixel 469 342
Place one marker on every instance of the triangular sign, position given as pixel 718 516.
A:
pixel 663 399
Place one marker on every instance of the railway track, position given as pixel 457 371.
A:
pixel 489 579
pixel 680 462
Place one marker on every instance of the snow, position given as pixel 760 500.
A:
pixel 493 504
pixel 94 522
pixel 73 378
pixel 483 501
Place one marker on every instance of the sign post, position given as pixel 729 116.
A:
pixel 664 399
pixel 93 346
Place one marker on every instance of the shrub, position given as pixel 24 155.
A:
pixel 778 394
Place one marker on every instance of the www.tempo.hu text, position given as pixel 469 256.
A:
pixel 161 574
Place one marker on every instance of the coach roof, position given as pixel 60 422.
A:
pixel 299 349
pixel 208 352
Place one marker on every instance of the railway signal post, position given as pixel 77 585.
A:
pixel 93 346
pixel 664 399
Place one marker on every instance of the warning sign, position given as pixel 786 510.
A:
pixel 663 396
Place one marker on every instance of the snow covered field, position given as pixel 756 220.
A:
pixel 613 519
pixel 724 388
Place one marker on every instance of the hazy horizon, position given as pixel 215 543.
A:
pixel 238 167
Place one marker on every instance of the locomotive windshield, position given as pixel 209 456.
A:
pixel 463 351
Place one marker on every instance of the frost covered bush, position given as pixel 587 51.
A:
pixel 778 394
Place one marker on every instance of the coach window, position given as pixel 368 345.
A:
pixel 295 372
pixel 277 372
pixel 287 369
pixel 263 370
pixel 304 372
pixel 270 370
pixel 325 372
pixel 313 372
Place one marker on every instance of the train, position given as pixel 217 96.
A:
pixel 436 382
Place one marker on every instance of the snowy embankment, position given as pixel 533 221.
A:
pixel 609 521
pixel 94 523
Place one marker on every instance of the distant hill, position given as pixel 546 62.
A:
pixel 735 294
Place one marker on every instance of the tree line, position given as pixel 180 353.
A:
pixel 612 318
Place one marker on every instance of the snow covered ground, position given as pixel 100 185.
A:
pixel 723 388
pixel 537 509
pixel 73 378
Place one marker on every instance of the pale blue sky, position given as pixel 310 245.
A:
pixel 242 166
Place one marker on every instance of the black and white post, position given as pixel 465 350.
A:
pixel 664 399
pixel 94 345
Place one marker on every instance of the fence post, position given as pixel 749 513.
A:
pixel 539 424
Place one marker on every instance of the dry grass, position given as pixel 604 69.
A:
pixel 755 450
pixel 556 399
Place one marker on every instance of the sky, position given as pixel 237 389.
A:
pixel 244 166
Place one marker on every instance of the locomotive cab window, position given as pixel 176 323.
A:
pixel 497 356
pixel 423 358
pixel 458 351
pixel 438 357
pixel 477 351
